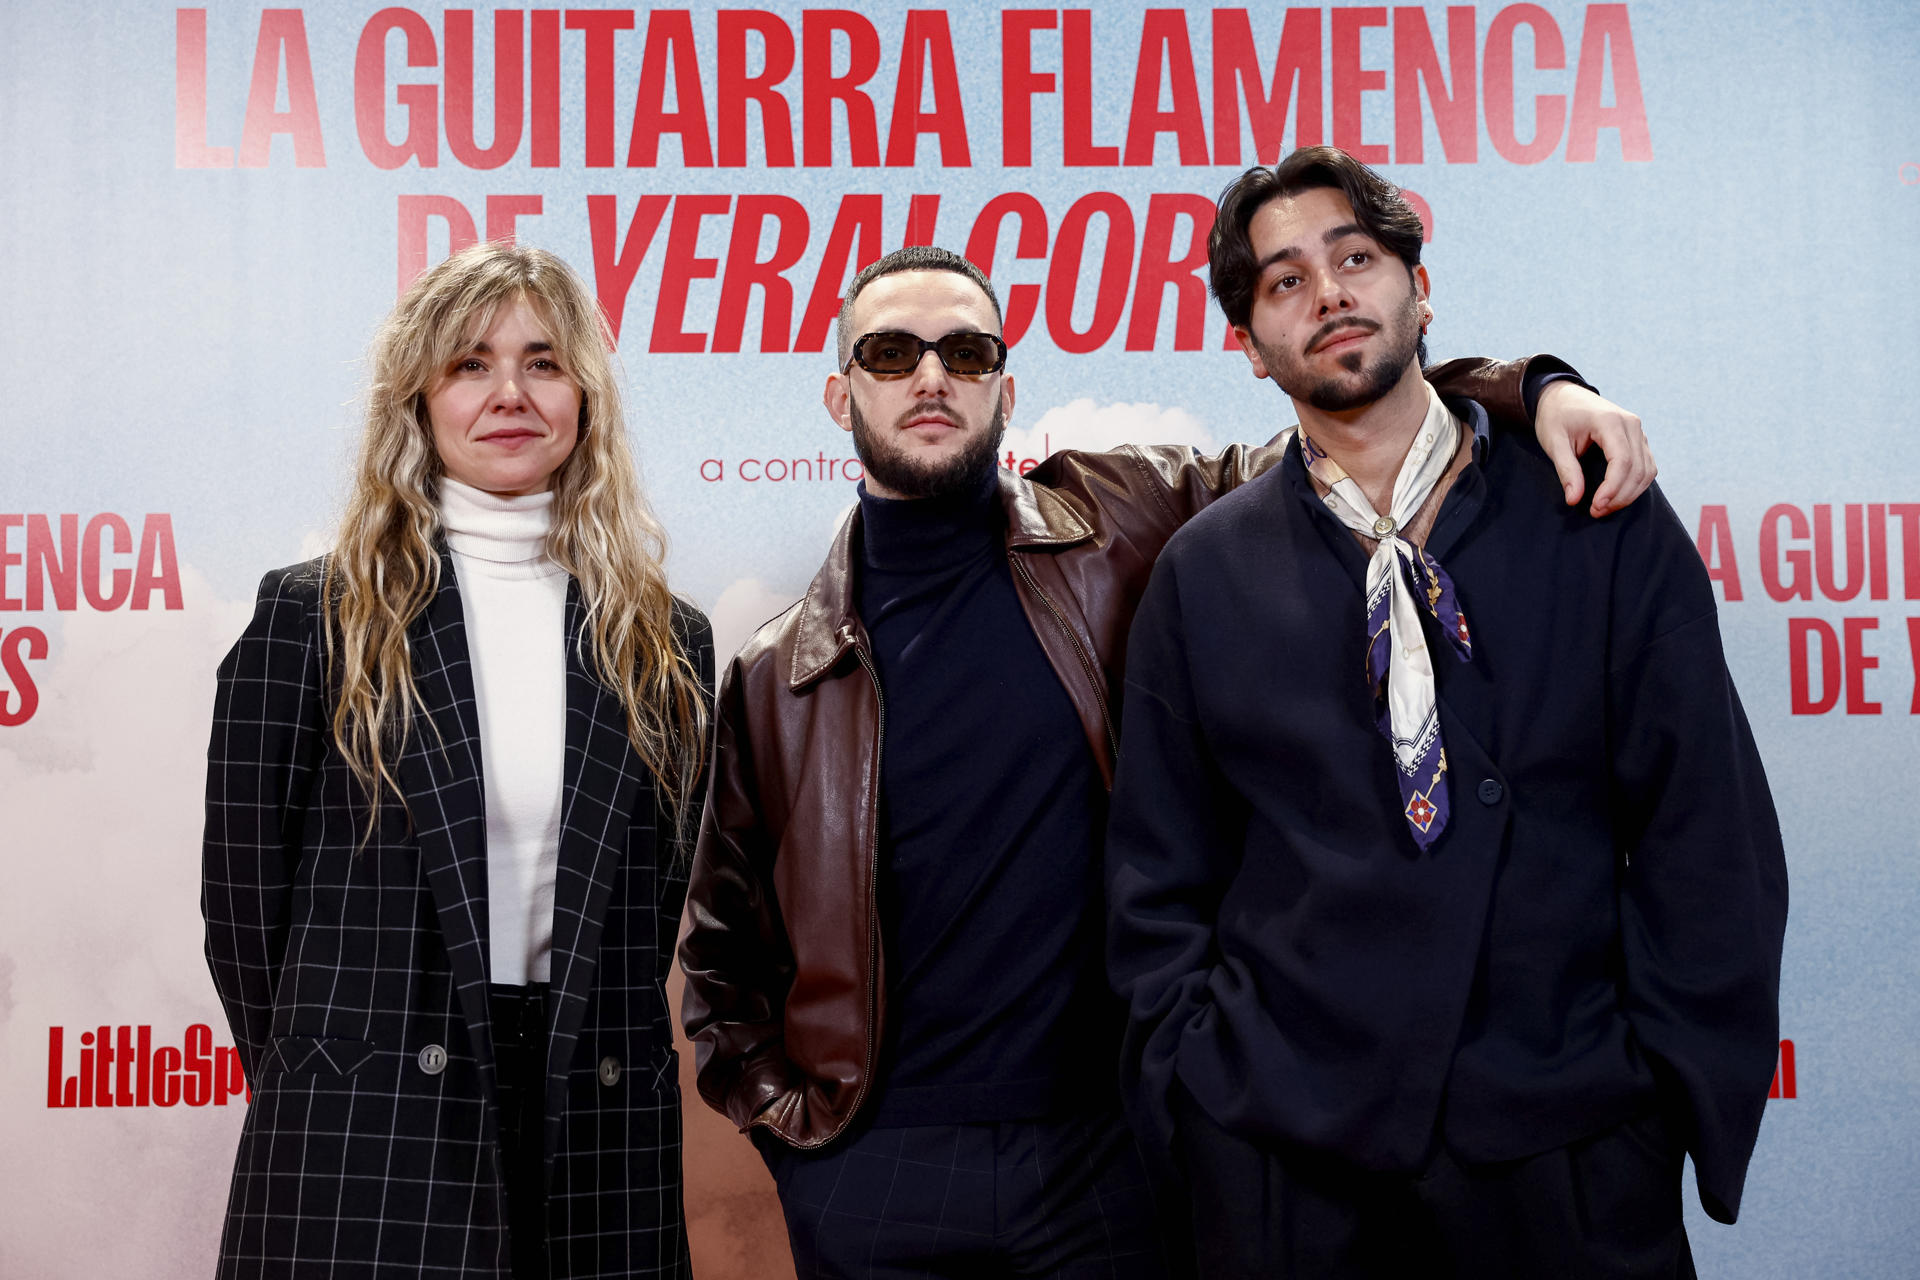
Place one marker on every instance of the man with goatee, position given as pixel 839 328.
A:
pixel 1446 893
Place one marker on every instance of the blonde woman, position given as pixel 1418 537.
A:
pixel 451 769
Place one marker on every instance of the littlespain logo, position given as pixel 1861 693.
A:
pixel 122 1067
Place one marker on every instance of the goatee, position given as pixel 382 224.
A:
pixel 1401 334
pixel 897 470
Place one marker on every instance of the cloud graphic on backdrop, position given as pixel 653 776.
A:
pixel 317 542
pixel 1079 424
pixel 1085 424
pixel 100 925
pixel 740 610
pixel 745 603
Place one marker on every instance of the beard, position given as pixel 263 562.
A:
pixel 898 470
pixel 1363 382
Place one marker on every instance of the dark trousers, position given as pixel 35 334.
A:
pixel 520 1057
pixel 1605 1207
pixel 1066 1197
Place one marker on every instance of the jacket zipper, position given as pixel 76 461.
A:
pixel 1079 651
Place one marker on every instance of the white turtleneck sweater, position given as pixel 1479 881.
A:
pixel 514 598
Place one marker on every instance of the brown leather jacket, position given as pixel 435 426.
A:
pixel 786 982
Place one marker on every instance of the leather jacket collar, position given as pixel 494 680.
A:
pixel 828 625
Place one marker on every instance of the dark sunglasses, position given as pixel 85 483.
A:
pixel 893 354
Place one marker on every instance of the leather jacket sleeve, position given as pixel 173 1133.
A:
pixel 1188 480
pixel 1500 386
pixel 736 956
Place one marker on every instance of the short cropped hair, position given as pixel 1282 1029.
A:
pixel 915 257
pixel 1378 207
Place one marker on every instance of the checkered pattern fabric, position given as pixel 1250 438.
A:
pixel 355 977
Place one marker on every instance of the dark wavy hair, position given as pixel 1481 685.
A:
pixel 1378 207
pixel 915 257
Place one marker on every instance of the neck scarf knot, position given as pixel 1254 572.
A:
pixel 1402 579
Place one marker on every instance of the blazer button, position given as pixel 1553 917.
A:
pixel 1491 791
pixel 609 1071
pixel 433 1059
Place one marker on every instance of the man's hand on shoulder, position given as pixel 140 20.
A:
pixel 1569 418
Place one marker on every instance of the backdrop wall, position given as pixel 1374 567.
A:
pixel 1710 208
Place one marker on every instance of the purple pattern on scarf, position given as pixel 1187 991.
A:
pixel 1423 791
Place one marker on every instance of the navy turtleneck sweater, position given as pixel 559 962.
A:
pixel 997 1007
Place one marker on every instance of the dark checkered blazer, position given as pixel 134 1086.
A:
pixel 355 978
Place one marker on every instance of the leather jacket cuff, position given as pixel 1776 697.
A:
pixel 761 1084
pixel 1542 372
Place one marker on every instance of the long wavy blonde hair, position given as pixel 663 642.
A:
pixel 385 566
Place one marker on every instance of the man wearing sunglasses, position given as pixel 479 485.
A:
pixel 893 956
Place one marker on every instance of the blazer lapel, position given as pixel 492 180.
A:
pixel 446 799
pixel 603 775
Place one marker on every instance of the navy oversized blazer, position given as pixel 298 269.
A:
pixel 1596 933
pixel 355 978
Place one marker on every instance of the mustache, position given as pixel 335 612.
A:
pixel 1332 327
pixel 926 411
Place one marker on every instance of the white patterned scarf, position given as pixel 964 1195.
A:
pixel 1401 578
